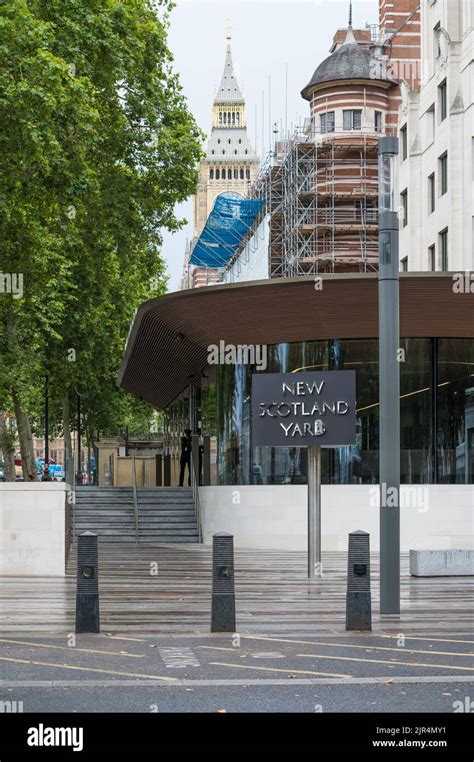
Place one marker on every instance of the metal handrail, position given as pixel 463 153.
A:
pixel 135 496
pixel 196 498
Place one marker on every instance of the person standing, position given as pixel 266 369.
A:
pixel 201 453
pixel 185 458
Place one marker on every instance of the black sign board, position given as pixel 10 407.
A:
pixel 304 409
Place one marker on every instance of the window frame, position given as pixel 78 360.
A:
pixel 351 112
pixel 443 100
pixel 431 193
pixel 404 204
pixel 325 115
pixel 444 249
pixel 443 174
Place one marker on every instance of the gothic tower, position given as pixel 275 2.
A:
pixel 230 164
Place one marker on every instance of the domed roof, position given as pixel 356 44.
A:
pixel 349 61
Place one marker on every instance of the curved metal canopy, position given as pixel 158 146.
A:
pixel 170 336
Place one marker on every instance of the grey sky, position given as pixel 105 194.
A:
pixel 266 36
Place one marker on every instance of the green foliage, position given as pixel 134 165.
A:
pixel 97 148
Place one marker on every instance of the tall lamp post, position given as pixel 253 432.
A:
pixel 46 424
pixel 389 375
pixel 79 455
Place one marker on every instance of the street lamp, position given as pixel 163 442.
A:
pixel 389 377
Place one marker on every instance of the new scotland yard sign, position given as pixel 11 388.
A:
pixel 315 409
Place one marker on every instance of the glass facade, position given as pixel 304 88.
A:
pixel 436 414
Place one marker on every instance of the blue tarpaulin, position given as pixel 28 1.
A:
pixel 225 228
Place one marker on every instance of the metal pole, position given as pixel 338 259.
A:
pixel 389 378
pixel 135 497
pixel 79 459
pixel 314 511
pixel 46 422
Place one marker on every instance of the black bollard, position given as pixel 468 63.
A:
pixel 223 591
pixel 87 597
pixel 358 604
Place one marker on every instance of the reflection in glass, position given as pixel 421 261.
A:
pixel 437 431
pixel 455 411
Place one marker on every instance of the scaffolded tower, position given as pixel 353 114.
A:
pixel 321 185
pixel 322 198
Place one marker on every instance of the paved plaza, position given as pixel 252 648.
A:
pixel 290 652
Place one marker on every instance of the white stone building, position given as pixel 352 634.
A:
pixel 437 145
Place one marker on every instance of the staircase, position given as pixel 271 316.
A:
pixel 165 514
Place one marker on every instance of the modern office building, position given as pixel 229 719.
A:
pixel 437 144
pixel 229 167
pixel 300 279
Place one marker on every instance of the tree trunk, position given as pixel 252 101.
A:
pixel 8 449
pixel 67 438
pixel 26 441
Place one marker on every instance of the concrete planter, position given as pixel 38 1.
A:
pixel 32 529
pixel 442 563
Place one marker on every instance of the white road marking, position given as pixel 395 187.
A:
pixel 178 657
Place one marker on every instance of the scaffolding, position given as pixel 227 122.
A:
pixel 321 191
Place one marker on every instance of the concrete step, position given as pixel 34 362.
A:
pixel 129 491
pixel 142 500
pixel 149 536
pixel 165 514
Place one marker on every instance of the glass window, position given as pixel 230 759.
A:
pixel 378 121
pixel 327 122
pixel 443 172
pixel 436 414
pixel 455 411
pixel 432 258
pixel 359 463
pixel 416 430
pixel 404 200
pixel 352 119
pixel 211 174
pixel 431 193
pixel 443 100
pixel 443 250
pixel 404 264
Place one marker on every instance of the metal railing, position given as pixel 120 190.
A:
pixel 196 498
pixel 135 495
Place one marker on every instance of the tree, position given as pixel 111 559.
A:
pixel 100 147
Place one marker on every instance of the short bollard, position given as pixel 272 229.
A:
pixel 358 605
pixel 223 592
pixel 87 597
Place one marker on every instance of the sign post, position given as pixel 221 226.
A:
pixel 314 511
pixel 312 410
